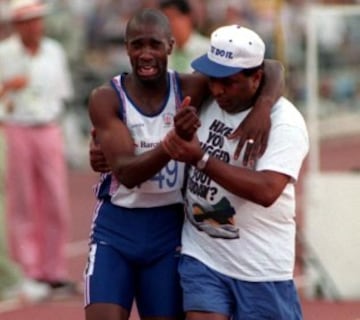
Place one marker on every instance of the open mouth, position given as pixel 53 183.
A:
pixel 146 71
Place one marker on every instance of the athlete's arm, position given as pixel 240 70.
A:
pixel 97 159
pixel 117 144
pixel 195 85
pixel 256 125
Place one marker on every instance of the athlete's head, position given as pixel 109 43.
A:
pixel 149 41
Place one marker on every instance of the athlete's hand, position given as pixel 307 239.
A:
pixel 186 121
pixel 253 134
pixel 97 159
pixel 188 151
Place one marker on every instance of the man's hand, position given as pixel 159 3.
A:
pixel 16 83
pixel 13 84
pixel 97 159
pixel 186 121
pixel 253 133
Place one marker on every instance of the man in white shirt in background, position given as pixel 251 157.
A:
pixel 35 79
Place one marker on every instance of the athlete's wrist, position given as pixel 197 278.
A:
pixel 164 144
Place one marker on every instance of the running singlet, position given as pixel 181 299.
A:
pixel 147 132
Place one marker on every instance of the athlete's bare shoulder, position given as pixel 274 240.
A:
pixel 194 85
pixel 103 103
pixel 104 91
pixel 103 96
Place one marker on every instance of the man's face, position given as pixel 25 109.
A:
pixel 148 48
pixel 31 30
pixel 235 93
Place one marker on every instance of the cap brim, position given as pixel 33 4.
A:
pixel 212 69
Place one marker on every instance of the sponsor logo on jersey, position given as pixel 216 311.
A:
pixel 136 125
pixel 168 119
pixel 148 145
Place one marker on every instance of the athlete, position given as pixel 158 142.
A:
pixel 135 236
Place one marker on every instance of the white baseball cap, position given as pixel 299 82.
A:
pixel 21 10
pixel 232 49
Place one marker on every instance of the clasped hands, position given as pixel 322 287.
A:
pixel 182 143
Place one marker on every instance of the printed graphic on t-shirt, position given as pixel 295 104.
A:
pixel 208 207
pixel 216 220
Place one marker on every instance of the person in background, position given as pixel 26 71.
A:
pixel 35 78
pixel 189 43
pixel 9 276
pixel 135 236
pixel 238 240
pixel 13 285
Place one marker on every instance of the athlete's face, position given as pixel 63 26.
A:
pixel 148 47
pixel 235 93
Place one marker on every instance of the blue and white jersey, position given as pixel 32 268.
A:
pixel 147 131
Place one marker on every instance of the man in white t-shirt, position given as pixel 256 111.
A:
pixel 238 240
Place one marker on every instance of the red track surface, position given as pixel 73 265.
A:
pixel 339 154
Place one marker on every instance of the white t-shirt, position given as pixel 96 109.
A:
pixel 49 80
pixel 232 235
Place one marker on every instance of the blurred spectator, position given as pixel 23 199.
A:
pixel 189 43
pixel 5 28
pixel 331 40
pixel 35 78
pixel 266 25
pixel 9 274
pixel 105 28
pixel 12 284
pixel 199 13
pixel 238 12
pixel 293 19
pixel 66 24
pixel 231 12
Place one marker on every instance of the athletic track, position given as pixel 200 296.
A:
pixel 335 155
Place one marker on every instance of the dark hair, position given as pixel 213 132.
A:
pixel 181 5
pixel 150 16
pixel 251 71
